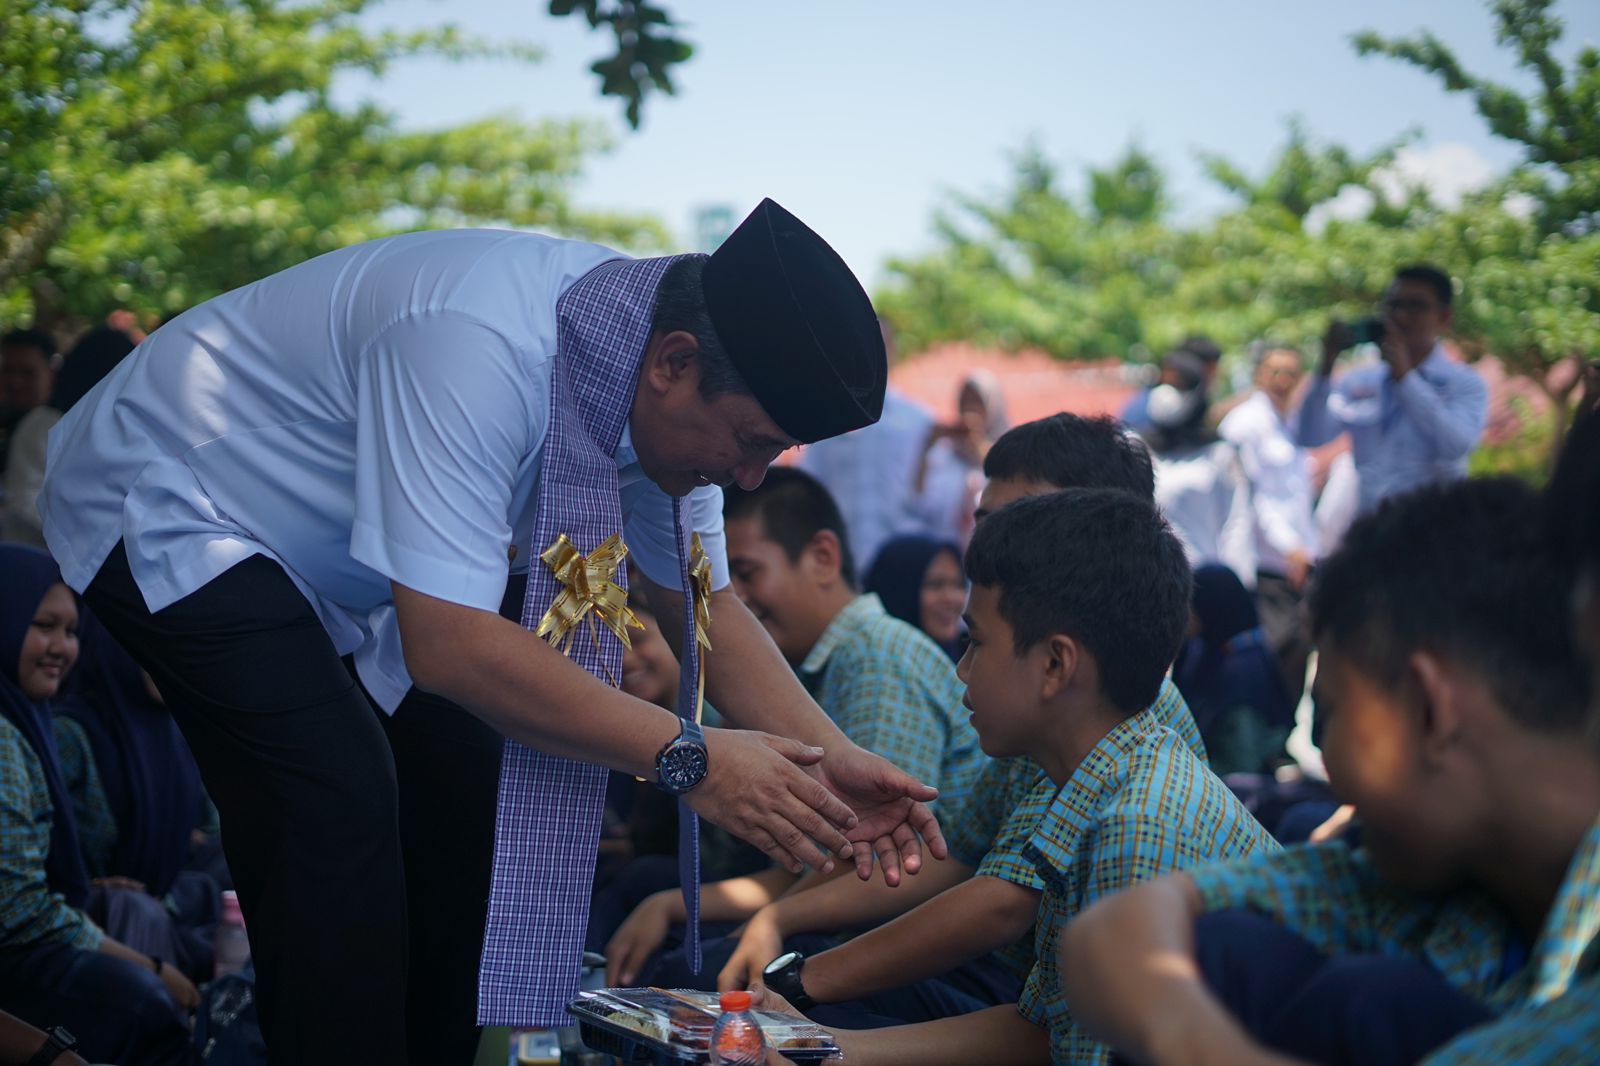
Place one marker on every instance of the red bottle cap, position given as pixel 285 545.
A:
pixel 732 1001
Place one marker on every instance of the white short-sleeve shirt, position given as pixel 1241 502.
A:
pixel 373 415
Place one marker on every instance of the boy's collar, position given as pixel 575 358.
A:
pixel 858 613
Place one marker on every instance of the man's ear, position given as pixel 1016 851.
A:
pixel 1063 660
pixel 824 556
pixel 670 359
pixel 1442 705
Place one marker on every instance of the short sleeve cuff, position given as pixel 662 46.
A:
pixel 87 936
pixel 448 580
pixel 1031 1003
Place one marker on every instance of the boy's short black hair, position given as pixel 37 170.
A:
pixel 31 338
pixel 1432 277
pixel 1466 572
pixel 1101 566
pixel 793 507
pixel 1073 452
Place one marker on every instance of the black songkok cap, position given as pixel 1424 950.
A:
pixel 797 325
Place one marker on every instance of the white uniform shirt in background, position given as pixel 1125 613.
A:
pixel 1203 495
pixel 1278 471
pixel 376 414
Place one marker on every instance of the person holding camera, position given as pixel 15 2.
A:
pixel 1414 418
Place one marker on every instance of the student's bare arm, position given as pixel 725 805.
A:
pixel 998 1034
pixel 1132 981
pixel 530 692
pixel 955 927
pixel 831 906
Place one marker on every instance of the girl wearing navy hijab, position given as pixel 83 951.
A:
pixel 919 580
pixel 1229 677
pixel 57 967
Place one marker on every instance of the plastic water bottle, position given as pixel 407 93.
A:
pixel 737 1040
pixel 232 947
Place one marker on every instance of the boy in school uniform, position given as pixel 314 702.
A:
pixel 1465 928
pixel 1079 601
pixel 959 936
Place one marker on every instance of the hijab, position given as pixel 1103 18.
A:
pixel 896 576
pixel 1229 664
pixel 27 574
pixel 150 777
pixel 91 359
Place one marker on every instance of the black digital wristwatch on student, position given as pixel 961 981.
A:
pixel 782 975
pixel 683 763
pixel 57 1042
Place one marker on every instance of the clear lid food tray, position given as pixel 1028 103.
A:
pixel 679 1022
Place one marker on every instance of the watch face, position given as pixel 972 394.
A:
pixel 683 766
pixel 782 962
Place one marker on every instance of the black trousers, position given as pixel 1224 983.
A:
pixel 356 839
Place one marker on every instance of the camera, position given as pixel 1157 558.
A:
pixel 1367 331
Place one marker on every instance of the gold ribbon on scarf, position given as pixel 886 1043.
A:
pixel 700 589
pixel 589 590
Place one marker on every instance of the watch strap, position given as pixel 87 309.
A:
pixel 57 1041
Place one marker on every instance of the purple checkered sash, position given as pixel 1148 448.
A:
pixel 547 825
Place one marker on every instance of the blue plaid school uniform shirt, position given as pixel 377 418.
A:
pixel 1335 898
pixel 891 690
pixel 30 914
pixel 97 826
pixel 991 830
pixel 1139 805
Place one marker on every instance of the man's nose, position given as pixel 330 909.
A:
pixel 749 476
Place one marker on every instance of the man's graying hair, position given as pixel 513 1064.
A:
pixel 681 305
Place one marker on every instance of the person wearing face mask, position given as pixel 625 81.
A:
pixel 58 965
pixel 1200 485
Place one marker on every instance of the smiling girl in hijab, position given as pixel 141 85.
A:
pixel 57 966
pixel 919 580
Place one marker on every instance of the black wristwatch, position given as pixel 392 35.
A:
pixel 683 763
pixel 57 1042
pixel 782 975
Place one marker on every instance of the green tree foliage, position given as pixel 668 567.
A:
pixel 1108 275
pixel 647 48
pixel 156 152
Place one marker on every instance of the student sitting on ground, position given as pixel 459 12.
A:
pixel 964 935
pixel 1456 724
pixel 64 956
pixel 884 682
pixel 1079 602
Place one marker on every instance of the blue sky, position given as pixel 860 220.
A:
pixel 861 116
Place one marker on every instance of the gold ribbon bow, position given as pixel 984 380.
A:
pixel 700 589
pixel 589 590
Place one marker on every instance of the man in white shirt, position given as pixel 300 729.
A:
pixel 1285 533
pixel 1413 419
pixel 870 471
pixel 343 457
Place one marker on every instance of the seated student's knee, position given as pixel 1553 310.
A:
pixel 1253 964
pixel 1375 1010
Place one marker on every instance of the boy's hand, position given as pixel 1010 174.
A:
pixel 892 808
pixel 639 937
pixel 759 944
pixel 763 998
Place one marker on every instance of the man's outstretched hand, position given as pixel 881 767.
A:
pixel 892 808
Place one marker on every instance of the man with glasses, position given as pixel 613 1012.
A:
pixel 1414 418
pixel 1285 531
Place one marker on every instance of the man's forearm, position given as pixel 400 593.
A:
pixel 737 898
pixel 747 678
pixel 965 923
pixel 998 1034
